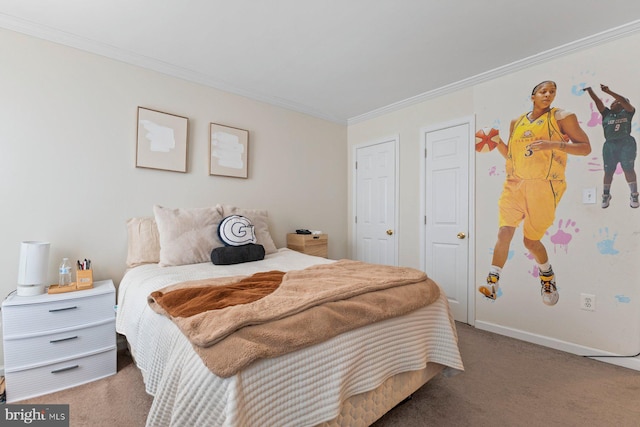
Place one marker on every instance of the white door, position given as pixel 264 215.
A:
pixel 375 198
pixel 447 207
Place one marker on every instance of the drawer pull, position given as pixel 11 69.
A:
pixel 57 371
pixel 63 309
pixel 316 237
pixel 63 339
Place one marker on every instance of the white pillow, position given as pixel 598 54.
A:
pixel 143 241
pixel 259 218
pixel 187 236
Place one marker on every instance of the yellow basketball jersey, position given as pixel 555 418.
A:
pixel 523 163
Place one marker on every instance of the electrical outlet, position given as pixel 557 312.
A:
pixel 588 195
pixel 588 302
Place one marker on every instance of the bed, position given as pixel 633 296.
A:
pixel 350 379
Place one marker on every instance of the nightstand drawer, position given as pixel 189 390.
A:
pixel 310 244
pixel 33 351
pixel 46 316
pixel 59 376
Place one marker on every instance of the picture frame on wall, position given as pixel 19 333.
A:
pixel 162 140
pixel 228 151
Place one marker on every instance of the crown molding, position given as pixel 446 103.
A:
pixel 584 43
pixel 122 55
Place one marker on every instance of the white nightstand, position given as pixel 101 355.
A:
pixel 57 341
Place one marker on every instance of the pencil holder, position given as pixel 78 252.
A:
pixel 84 279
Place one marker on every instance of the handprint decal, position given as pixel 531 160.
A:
pixel 563 235
pixel 605 245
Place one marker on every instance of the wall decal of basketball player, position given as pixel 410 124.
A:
pixel 536 158
pixel 619 146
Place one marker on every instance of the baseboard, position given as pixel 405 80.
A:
pixel 579 350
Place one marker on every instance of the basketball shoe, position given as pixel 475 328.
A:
pixel 548 288
pixel 490 290
pixel 634 200
pixel 605 200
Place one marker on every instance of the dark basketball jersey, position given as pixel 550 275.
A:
pixel 616 125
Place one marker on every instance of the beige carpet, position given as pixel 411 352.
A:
pixel 506 383
pixel 118 400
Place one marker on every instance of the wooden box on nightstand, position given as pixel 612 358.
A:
pixel 56 341
pixel 310 244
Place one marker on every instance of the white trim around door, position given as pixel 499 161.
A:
pixel 470 121
pixel 395 140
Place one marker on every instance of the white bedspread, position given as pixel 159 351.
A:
pixel 303 388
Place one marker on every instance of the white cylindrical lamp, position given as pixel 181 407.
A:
pixel 32 270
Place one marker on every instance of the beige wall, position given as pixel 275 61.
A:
pixel 67 157
pixel 592 250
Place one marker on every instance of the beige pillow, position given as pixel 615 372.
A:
pixel 260 219
pixel 143 241
pixel 187 236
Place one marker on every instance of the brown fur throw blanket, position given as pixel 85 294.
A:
pixel 233 321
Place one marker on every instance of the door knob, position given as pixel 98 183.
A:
pixel 461 235
pixel 389 232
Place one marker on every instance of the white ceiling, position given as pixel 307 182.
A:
pixel 340 60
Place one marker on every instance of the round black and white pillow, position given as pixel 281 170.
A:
pixel 236 230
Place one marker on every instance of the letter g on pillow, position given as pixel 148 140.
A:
pixel 236 230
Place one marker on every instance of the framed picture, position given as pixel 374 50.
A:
pixel 228 151
pixel 162 141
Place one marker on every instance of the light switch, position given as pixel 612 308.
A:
pixel 588 195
